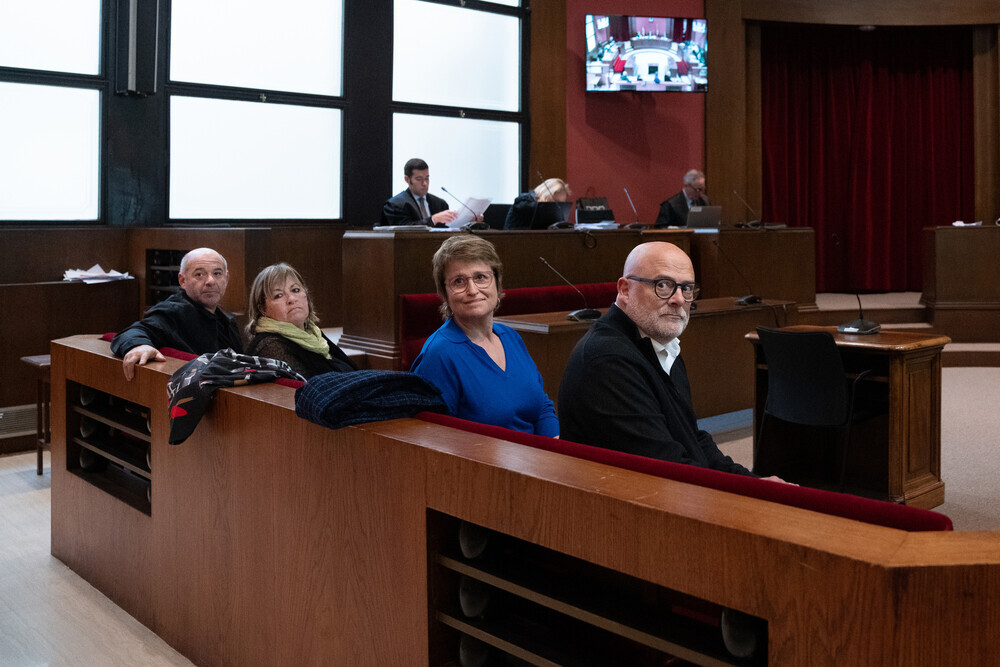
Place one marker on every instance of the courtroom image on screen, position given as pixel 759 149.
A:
pixel 646 53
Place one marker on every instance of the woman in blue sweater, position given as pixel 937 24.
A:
pixel 482 368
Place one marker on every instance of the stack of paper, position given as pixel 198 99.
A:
pixel 94 274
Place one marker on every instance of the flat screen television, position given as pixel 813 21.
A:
pixel 646 53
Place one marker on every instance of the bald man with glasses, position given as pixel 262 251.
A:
pixel 625 386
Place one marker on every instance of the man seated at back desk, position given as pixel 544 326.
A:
pixel 189 320
pixel 414 205
pixel 625 385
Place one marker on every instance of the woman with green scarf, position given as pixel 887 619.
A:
pixel 284 326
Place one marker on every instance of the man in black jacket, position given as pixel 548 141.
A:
pixel 414 205
pixel 674 211
pixel 190 320
pixel 625 385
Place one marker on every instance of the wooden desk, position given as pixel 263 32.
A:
pixel 274 541
pixel 720 371
pixel 381 265
pixel 776 264
pixel 961 284
pixel 898 456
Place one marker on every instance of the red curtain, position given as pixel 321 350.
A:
pixel 867 138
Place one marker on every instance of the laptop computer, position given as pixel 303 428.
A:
pixel 551 212
pixel 495 215
pixel 705 217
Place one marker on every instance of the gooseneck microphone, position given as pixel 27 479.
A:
pixel 860 325
pixel 473 224
pixel 474 216
pixel 631 204
pixel 756 220
pixel 749 299
pixel 585 313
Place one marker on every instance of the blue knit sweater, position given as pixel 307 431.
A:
pixel 475 388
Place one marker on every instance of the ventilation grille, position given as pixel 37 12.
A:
pixel 17 421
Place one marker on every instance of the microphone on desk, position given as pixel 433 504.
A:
pixel 749 299
pixel 585 313
pixel 756 221
pixel 860 325
pixel 473 224
pixel 631 204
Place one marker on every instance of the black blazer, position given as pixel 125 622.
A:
pixel 403 210
pixel 674 211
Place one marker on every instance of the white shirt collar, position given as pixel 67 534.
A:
pixel 667 353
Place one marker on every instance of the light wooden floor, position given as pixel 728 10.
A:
pixel 48 614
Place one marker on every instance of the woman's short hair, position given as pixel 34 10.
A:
pixel 267 281
pixel 549 188
pixel 465 248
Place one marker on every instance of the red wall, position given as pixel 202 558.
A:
pixel 641 141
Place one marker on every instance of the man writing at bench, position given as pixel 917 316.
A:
pixel 190 320
pixel 625 385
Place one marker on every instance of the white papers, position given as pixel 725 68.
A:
pixel 606 224
pixel 94 274
pixel 465 213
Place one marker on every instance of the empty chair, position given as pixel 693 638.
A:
pixel 806 384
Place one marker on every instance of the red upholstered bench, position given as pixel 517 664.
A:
pixel 419 316
pixel 875 512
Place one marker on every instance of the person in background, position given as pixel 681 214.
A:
pixel 674 211
pixel 414 205
pixel 522 212
pixel 190 320
pixel 284 326
pixel 482 368
pixel 625 385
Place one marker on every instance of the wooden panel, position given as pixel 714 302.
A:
pixel 773 264
pixel 986 125
pixel 961 290
pixel 316 252
pixel 115 553
pixel 547 93
pixel 35 313
pixel 878 12
pixel 275 541
pixel 41 254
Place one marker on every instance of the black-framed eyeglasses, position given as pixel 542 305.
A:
pixel 665 287
pixel 481 279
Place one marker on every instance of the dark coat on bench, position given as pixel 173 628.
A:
pixel 615 394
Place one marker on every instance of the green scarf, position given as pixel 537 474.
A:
pixel 311 339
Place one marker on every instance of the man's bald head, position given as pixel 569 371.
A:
pixel 204 276
pixel 660 319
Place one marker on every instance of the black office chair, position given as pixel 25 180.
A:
pixel 806 384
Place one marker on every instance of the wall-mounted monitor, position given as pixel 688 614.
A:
pixel 646 53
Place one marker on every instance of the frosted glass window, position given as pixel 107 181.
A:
pixel 471 158
pixel 293 45
pixel 58 35
pixel 456 57
pixel 250 160
pixel 49 152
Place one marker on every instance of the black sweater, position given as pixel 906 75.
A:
pixel 615 394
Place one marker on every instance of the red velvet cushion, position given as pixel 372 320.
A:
pixel 875 512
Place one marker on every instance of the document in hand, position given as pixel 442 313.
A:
pixel 465 213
